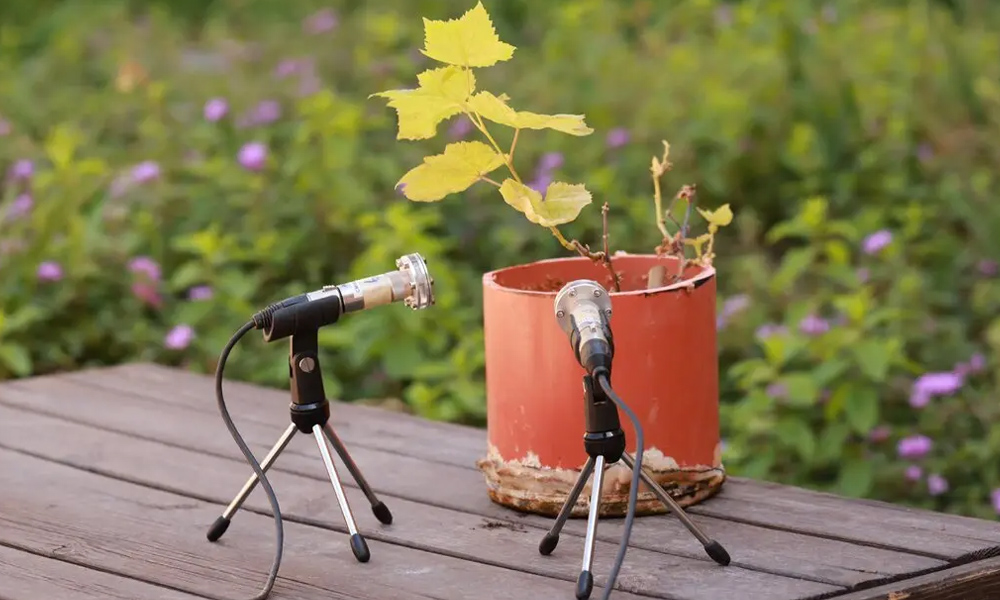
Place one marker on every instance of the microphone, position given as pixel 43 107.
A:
pixel 411 282
pixel 583 311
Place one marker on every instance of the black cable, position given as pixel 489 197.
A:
pixel 633 493
pixel 261 477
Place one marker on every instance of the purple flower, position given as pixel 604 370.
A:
pixel 550 161
pixel 320 22
pixel 179 337
pixel 914 446
pixel 287 68
pixel 253 156
pixel 936 485
pixel 145 172
pixel 22 169
pixel 934 384
pixel 541 183
pixel 770 329
pixel 5 127
pixel 777 390
pixel 145 265
pixel 201 292
pixel 731 307
pixel 877 241
pixel 215 109
pixel 460 128
pixel 879 434
pixel 50 271
pixel 266 112
pixel 617 137
pixel 988 268
pixel 862 274
pixel 813 325
pixel 995 500
pixel 914 473
pixel 977 362
pixel 21 206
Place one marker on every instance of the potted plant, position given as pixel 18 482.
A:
pixel 664 303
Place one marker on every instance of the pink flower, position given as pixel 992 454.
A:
pixel 879 434
pixel 877 241
pixel 936 485
pixel 934 384
pixel 320 22
pixel 253 156
pixel 617 137
pixel 145 265
pixel 147 292
pixel 914 473
pixel 179 337
pixel 914 446
pixel 50 271
pixel 21 206
pixel 22 169
pixel 215 109
pixel 813 325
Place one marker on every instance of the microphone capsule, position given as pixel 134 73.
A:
pixel 411 283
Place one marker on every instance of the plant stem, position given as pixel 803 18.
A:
pixel 661 222
pixel 488 180
pixel 513 143
pixel 481 126
pixel 566 243
pixel 607 252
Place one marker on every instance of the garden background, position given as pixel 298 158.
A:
pixel 169 167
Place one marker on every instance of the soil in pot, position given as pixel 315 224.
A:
pixel 665 368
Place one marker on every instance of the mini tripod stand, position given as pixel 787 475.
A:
pixel 604 442
pixel 310 413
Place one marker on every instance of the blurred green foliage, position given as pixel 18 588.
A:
pixel 856 142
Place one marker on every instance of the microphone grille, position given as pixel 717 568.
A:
pixel 573 294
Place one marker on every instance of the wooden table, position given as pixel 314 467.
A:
pixel 109 479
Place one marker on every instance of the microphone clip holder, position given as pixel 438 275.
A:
pixel 605 445
pixel 310 414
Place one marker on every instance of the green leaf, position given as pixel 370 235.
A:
pixel 469 41
pixel 461 165
pixel 873 357
pixel 856 477
pixel 795 433
pixel 21 319
pixel 831 443
pixel 829 370
pixel 562 203
pixel 16 359
pixel 496 109
pixel 862 408
pixel 442 94
pixel 792 267
pixel 801 388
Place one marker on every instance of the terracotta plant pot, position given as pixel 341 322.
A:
pixel 665 368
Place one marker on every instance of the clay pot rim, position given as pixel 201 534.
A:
pixel 706 273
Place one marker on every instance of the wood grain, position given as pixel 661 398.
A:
pixel 764 549
pixel 97 521
pixel 311 500
pixel 25 576
pixel 979 580
pixel 927 533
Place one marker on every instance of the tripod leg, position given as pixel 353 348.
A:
pixel 358 544
pixel 713 548
pixel 378 507
pixel 585 583
pixel 548 543
pixel 222 523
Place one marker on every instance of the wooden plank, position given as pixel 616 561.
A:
pixel 357 424
pixel 311 500
pixel 979 580
pixel 928 534
pixel 26 576
pixel 100 522
pixel 825 509
pixel 763 549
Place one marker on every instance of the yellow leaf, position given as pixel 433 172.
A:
pixel 562 203
pixel 720 217
pixel 442 94
pixel 469 41
pixel 698 242
pixel 495 109
pixel 461 165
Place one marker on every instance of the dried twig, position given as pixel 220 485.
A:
pixel 607 253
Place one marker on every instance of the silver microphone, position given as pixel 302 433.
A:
pixel 411 283
pixel 583 311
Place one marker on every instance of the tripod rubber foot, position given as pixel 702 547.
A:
pixel 218 528
pixel 584 585
pixel 382 513
pixel 360 548
pixel 548 543
pixel 717 552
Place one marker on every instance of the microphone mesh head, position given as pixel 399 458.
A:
pixel 421 282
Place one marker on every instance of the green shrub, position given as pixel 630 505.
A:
pixel 148 231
